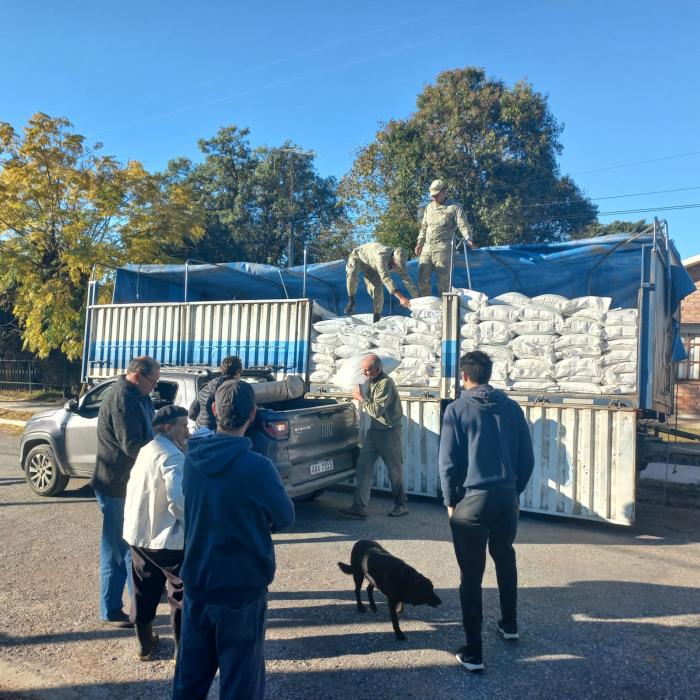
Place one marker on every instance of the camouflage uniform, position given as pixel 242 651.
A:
pixel 440 221
pixel 373 259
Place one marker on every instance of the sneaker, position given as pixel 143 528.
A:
pixel 472 661
pixel 354 512
pixel 398 511
pixel 508 631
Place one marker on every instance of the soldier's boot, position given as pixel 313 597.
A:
pixel 351 304
pixel 146 640
pixel 376 317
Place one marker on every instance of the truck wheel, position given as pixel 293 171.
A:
pixel 42 473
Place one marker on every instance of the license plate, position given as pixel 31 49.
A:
pixel 325 465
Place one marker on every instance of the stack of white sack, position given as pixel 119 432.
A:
pixel 551 343
pixel 618 364
pixel 410 347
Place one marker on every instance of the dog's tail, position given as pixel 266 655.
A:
pixel 345 568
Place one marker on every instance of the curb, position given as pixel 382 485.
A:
pixel 16 423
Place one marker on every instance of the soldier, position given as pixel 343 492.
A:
pixel 440 221
pixel 377 261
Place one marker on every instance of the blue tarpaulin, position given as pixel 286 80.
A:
pixel 605 266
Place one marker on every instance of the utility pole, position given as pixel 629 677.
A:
pixel 290 232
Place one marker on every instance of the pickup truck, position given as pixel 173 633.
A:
pixel 312 442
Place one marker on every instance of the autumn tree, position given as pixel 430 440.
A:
pixel 252 198
pixel 496 148
pixel 65 208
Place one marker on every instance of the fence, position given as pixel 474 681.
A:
pixel 33 375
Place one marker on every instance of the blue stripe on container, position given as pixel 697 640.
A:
pixel 290 356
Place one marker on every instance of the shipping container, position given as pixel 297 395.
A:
pixel 262 333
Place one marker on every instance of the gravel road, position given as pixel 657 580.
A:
pixel 604 611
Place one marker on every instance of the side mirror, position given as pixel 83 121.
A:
pixel 71 406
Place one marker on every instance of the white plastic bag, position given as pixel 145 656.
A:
pixel 598 305
pixel 470 298
pixel 511 298
pixel 350 374
pixel 533 346
pixel 615 332
pixel 622 317
pixel 346 351
pixel 541 313
pixel 426 303
pixel 553 301
pixel 535 327
pixel 497 352
pixel 578 324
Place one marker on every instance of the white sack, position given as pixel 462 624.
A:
pixel 470 298
pixel 497 352
pixel 552 301
pixel 533 346
pixel 332 325
pixel 323 348
pixel 577 324
pixel 580 387
pixel 320 376
pixel 511 298
pixel 426 303
pixel 540 313
pixel 470 317
pixel 494 333
pixel 500 312
pixel 615 332
pixel 533 385
pixel 382 351
pixel 468 344
pixel 418 351
pixel 346 351
pixel 349 374
pixel 584 366
pixel 598 305
pixel 535 327
pixel 612 357
pixel 387 340
pixel 622 317
pixel 322 358
pixel 428 316
pixel 363 318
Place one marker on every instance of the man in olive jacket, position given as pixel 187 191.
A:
pixel 383 439
pixel 123 428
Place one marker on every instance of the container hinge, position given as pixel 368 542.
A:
pixel 426 395
pixel 615 403
pixel 542 400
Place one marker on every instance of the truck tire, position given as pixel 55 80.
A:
pixel 42 473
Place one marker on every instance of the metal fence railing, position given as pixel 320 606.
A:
pixel 35 375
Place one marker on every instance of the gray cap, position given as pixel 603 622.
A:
pixel 437 186
pixel 401 256
pixel 234 399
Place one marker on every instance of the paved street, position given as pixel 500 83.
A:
pixel 604 611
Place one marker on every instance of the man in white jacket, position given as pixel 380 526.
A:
pixel 154 525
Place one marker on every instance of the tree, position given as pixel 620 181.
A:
pixel 495 147
pixel 63 209
pixel 251 199
pixel 614 227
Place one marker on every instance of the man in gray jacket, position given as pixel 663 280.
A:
pixel 154 515
pixel 123 428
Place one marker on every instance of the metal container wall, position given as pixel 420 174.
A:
pixel 585 460
pixel 421 443
pixel 274 333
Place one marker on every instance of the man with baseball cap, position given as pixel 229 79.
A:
pixel 154 514
pixel 234 499
pixel 441 219
pixel 377 262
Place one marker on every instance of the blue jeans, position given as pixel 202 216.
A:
pixel 228 637
pixel 115 556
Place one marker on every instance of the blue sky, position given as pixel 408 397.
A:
pixel 148 79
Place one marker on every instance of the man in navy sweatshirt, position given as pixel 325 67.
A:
pixel 486 460
pixel 234 499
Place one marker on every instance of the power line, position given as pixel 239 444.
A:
pixel 573 217
pixel 311 52
pixel 612 196
pixel 325 71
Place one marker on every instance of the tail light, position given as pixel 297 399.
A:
pixel 276 429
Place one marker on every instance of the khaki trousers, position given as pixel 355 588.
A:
pixel 386 444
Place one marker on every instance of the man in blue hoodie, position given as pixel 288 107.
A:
pixel 234 499
pixel 486 460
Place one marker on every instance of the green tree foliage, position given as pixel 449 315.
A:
pixel 494 146
pixel 614 227
pixel 65 208
pixel 252 197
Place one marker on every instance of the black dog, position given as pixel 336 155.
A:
pixel 398 581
